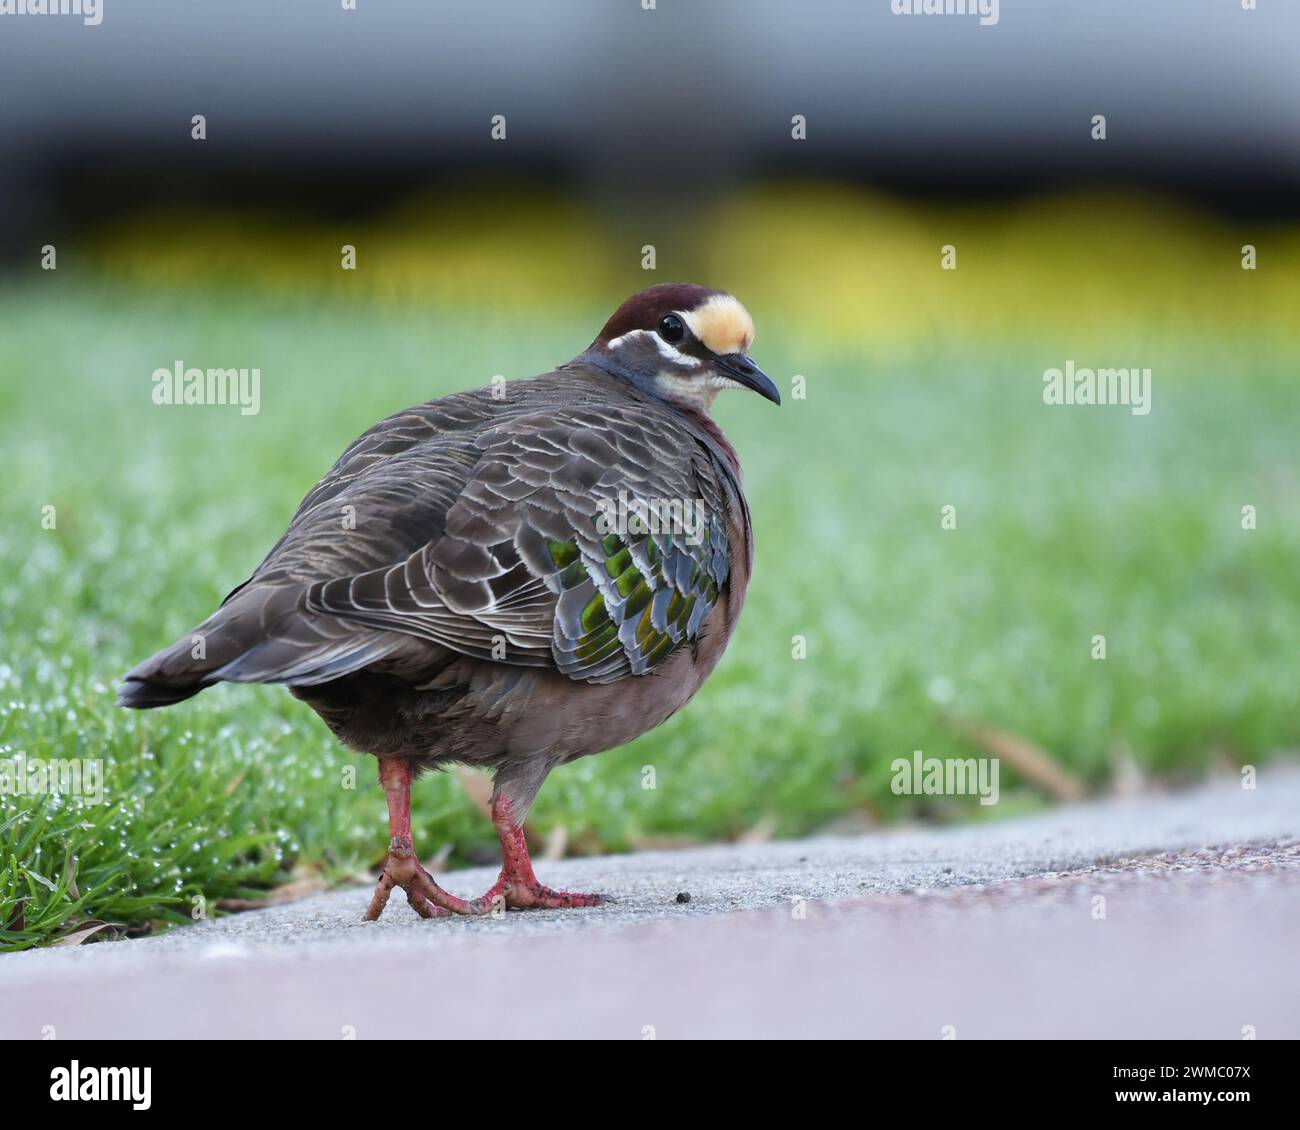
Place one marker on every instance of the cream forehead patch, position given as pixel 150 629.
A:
pixel 722 324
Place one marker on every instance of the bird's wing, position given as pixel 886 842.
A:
pixel 391 488
pixel 528 562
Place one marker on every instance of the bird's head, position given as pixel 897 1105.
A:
pixel 683 344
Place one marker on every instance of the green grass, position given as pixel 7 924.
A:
pixel 1071 522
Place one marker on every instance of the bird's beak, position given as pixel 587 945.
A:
pixel 743 371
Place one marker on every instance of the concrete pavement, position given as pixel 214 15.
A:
pixel 1154 916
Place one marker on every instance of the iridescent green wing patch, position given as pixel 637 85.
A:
pixel 629 600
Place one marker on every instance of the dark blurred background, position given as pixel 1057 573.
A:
pixel 314 107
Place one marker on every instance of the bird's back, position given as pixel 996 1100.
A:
pixel 469 527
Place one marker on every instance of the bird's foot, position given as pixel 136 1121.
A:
pixel 427 899
pixel 529 894
pixel 517 887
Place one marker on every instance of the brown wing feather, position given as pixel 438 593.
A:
pixel 469 525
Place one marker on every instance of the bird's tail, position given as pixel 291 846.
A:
pixel 145 694
pixel 260 635
pixel 194 661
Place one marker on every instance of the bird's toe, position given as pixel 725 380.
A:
pixel 534 896
pixel 428 900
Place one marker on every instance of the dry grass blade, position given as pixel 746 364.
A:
pixel 86 932
pixel 293 891
pixel 1030 761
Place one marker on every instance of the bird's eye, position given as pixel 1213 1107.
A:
pixel 671 329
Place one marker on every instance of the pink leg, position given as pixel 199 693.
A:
pixel 402 868
pixel 518 886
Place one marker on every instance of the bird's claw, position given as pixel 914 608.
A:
pixel 515 894
pixel 427 899
pixel 537 897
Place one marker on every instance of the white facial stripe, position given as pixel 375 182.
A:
pixel 676 355
pixel 615 343
pixel 722 324
pixel 666 351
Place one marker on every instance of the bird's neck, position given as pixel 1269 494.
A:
pixel 718 439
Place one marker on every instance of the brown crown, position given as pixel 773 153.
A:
pixel 644 310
